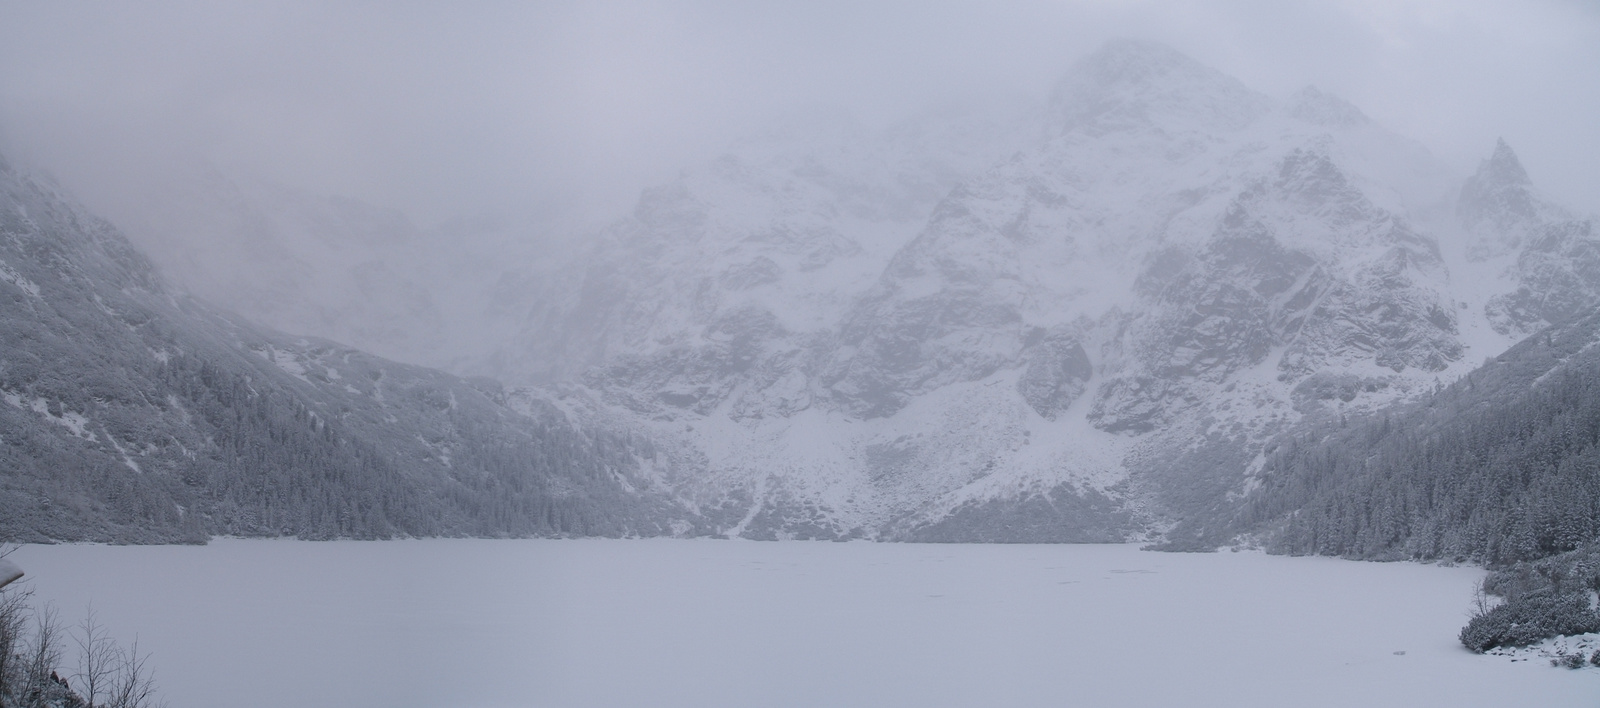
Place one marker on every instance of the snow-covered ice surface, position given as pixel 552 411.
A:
pixel 736 623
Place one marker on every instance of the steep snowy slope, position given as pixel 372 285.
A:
pixel 129 413
pixel 1087 338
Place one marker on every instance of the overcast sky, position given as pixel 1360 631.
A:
pixel 446 108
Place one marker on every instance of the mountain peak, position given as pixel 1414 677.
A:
pixel 1129 82
pixel 1502 168
pixel 1137 61
pixel 1498 202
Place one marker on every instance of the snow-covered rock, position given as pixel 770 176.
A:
pixel 1550 257
pixel 1066 324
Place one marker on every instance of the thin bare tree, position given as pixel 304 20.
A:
pixel 97 658
pixel 1482 599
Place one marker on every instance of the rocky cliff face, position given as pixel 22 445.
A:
pixel 1163 270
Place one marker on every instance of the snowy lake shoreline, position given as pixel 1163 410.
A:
pixel 662 622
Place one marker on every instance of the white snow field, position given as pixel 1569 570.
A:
pixel 708 623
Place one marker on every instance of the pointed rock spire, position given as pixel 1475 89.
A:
pixel 1498 205
pixel 1502 168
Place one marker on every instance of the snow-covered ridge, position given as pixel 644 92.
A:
pixel 1162 266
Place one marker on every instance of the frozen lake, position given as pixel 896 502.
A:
pixel 708 623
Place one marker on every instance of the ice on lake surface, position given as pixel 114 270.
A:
pixel 709 623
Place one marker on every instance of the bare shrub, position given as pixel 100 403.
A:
pixel 132 685
pixel 30 661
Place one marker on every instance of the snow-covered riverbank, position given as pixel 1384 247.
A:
pixel 730 623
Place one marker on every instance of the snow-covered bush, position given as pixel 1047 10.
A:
pixel 1531 618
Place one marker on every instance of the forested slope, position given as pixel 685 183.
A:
pixel 132 413
pixel 1503 465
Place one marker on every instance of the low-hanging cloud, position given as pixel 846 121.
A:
pixel 447 109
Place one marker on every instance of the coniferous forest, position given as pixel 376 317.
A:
pixel 1501 466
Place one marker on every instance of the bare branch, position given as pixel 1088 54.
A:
pixel 133 686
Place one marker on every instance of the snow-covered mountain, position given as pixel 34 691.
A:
pixel 1090 319
pixel 1075 323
